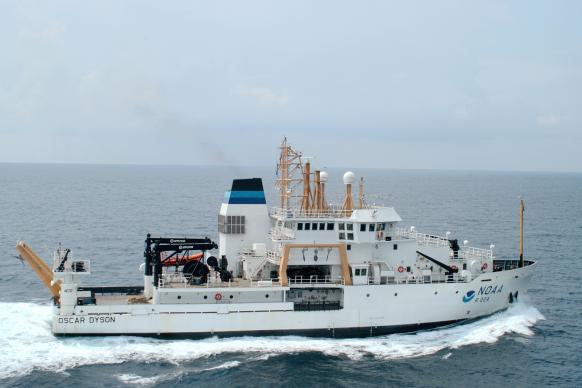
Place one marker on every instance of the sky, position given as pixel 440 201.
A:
pixel 485 85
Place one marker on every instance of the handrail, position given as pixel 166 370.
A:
pixel 316 280
pixel 333 211
pixel 422 238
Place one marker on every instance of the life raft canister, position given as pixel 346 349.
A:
pixel 401 269
pixel 218 296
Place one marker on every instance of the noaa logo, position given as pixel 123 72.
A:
pixel 468 296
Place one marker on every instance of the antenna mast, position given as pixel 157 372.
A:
pixel 521 211
pixel 289 173
pixel 361 194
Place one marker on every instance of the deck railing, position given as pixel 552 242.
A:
pixel 332 211
pixel 316 280
pixel 476 253
pixel 422 238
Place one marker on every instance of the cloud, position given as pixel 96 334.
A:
pixel 263 95
pixel 549 120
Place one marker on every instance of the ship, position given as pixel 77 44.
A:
pixel 302 267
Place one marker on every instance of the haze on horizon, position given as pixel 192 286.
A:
pixel 492 85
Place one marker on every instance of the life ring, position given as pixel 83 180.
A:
pixel 454 268
pixel 401 269
pixel 484 267
pixel 218 296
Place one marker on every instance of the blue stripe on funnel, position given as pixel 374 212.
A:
pixel 245 197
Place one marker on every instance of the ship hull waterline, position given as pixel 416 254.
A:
pixel 368 310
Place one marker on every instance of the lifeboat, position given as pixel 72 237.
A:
pixel 180 260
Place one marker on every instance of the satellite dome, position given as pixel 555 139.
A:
pixel 349 178
pixel 323 176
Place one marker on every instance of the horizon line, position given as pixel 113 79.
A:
pixel 265 166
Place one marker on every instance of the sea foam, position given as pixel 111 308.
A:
pixel 27 343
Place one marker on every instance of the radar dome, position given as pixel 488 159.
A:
pixel 349 178
pixel 323 176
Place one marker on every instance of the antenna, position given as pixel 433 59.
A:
pixel 521 211
pixel 361 194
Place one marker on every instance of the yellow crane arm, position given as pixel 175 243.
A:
pixel 41 268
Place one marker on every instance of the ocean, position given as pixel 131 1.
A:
pixel 103 213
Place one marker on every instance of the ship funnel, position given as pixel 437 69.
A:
pixel 243 220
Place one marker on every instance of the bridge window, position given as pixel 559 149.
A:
pixel 300 226
pixel 350 226
pixel 307 226
pixel 357 272
pixel 231 224
pixel 314 226
pixel 362 227
pixel 342 236
pixel 341 226
pixel 381 226
pixel 350 236
pixel 330 226
pixel 322 226
pixel 372 227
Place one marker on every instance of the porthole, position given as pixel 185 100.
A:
pixel 179 296
pixel 436 292
pixel 367 295
pixel 231 297
pixel 266 295
pixel 205 297
pixel 395 294
pixel 456 292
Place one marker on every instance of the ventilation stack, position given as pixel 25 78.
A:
pixel 348 205
pixel 323 201
pixel 306 201
pixel 317 192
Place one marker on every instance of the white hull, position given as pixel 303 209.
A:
pixel 367 310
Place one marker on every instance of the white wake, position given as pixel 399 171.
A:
pixel 27 343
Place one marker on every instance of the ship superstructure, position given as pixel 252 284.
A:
pixel 306 266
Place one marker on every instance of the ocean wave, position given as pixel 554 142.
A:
pixel 131 378
pixel 27 343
